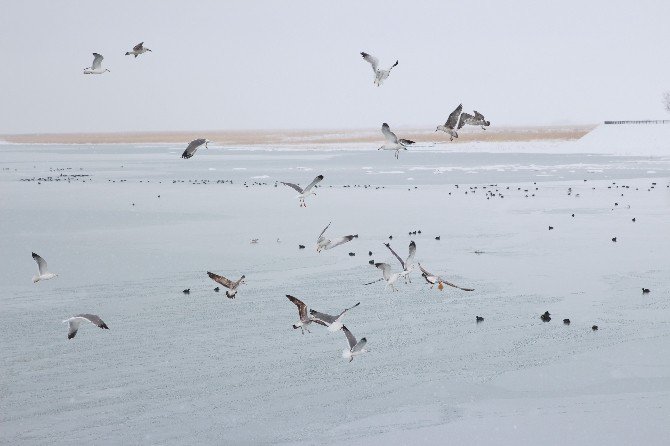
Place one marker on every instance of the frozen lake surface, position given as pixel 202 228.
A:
pixel 203 369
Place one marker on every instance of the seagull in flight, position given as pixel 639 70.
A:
pixel 392 141
pixel 96 67
pixel 380 75
pixel 44 274
pixel 304 193
pixel 305 320
pixel 477 119
pixel 232 286
pixel 387 275
pixel 333 323
pixel 193 146
pixel 451 123
pixel 75 321
pixel 432 279
pixel 138 49
pixel 355 347
pixel 407 265
pixel 324 243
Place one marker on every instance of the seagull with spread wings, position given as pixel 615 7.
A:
pixel 305 320
pixel 387 275
pixel 75 321
pixel 44 273
pixel 407 265
pixel 193 146
pixel 232 286
pixel 138 49
pixel 477 119
pixel 333 323
pixel 452 122
pixel 432 279
pixel 306 192
pixel 380 75
pixel 96 67
pixel 355 347
pixel 392 141
pixel 324 243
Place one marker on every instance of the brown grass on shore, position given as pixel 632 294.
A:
pixel 305 137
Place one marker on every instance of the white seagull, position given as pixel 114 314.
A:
pixel 324 243
pixel 193 146
pixel 392 141
pixel 451 123
pixel 333 323
pixel 75 321
pixel 44 274
pixel 138 49
pixel 304 193
pixel 477 119
pixel 96 67
pixel 232 286
pixel 355 347
pixel 407 265
pixel 380 74
pixel 305 320
pixel 432 279
pixel 387 275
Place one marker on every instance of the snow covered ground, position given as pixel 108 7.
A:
pixel 203 369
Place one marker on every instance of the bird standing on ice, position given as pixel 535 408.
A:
pixel 333 323
pixel 232 286
pixel 193 146
pixel 96 67
pixel 355 347
pixel 44 274
pixel 380 75
pixel 324 243
pixel 75 321
pixel 392 141
pixel 138 49
pixel 305 320
pixel 304 193
pixel 451 123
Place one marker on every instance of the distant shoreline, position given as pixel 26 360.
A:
pixel 305 137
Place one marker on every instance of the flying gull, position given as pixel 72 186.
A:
pixel 392 141
pixel 451 123
pixel 232 286
pixel 432 279
pixel 193 146
pixel 44 274
pixel 477 119
pixel 138 49
pixel 333 323
pixel 302 312
pixel 324 243
pixel 407 265
pixel 389 277
pixel 96 67
pixel 380 75
pixel 355 347
pixel 304 193
pixel 75 321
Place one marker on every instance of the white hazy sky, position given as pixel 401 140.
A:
pixel 280 64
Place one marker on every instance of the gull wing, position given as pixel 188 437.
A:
pixel 340 241
pixel 294 186
pixel 350 337
pixel 94 319
pixel 372 60
pixel 446 282
pixel 412 252
pixel 359 345
pixel 465 117
pixel 479 116
pixel 324 230
pixel 424 271
pixel 138 47
pixel 347 309
pixel 97 61
pixel 302 308
pixel 41 263
pixel 327 318
pixel 406 142
pixel 316 180
pixel 222 280
pixel 453 117
pixel 386 269
pixel 396 63
pixel 388 245
pixel 388 134
pixel 192 147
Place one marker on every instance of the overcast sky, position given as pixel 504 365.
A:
pixel 273 64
